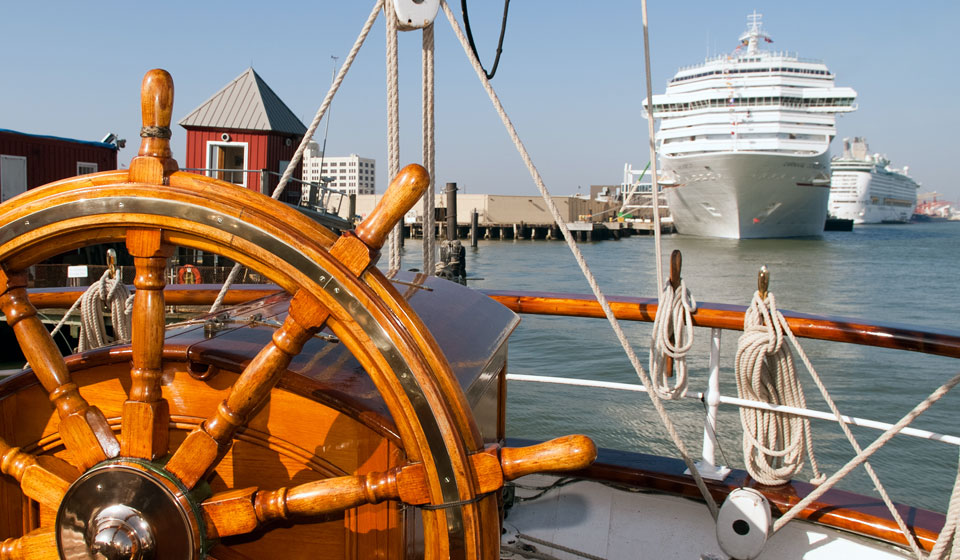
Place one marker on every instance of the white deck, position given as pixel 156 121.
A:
pixel 604 522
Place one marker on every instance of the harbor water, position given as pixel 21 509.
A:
pixel 905 274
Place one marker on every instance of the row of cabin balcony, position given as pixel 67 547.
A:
pixel 754 86
pixel 824 73
pixel 750 136
pixel 723 131
pixel 768 58
pixel 839 103
pixel 723 126
pixel 768 117
pixel 736 143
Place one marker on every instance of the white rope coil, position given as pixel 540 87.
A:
pixel 673 318
pixel 106 293
pixel 774 443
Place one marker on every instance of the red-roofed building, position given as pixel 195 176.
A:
pixel 245 134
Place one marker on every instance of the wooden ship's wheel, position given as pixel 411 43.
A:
pixel 132 452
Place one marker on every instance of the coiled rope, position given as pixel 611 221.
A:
pixel 105 294
pixel 774 443
pixel 673 318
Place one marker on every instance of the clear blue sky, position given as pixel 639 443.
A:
pixel 571 76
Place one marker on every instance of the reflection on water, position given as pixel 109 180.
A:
pixel 903 274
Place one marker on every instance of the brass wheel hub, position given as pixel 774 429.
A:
pixel 127 510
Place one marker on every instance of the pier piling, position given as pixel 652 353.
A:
pixel 474 222
pixel 451 211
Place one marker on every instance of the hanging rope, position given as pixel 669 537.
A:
pixel 948 542
pixel 429 152
pixel 393 122
pixel 298 155
pixel 654 183
pixel 578 256
pixel 774 443
pixel 673 318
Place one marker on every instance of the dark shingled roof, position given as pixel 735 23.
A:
pixel 246 103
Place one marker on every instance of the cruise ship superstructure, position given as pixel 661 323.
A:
pixel 865 189
pixel 744 139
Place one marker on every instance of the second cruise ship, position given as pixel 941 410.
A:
pixel 744 139
pixel 867 190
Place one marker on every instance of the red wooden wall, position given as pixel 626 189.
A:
pixel 265 150
pixel 50 158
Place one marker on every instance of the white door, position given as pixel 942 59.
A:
pixel 13 176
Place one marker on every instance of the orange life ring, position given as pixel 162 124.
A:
pixel 189 274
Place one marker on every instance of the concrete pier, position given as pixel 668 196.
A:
pixel 502 217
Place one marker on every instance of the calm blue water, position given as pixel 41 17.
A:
pixel 903 273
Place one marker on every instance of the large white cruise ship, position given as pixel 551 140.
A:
pixel 865 189
pixel 744 141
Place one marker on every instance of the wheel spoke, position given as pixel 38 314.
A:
pixel 204 446
pixel 44 479
pixel 237 512
pixel 38 545
pixel 146 415
pixel 84 429
pixel 242 511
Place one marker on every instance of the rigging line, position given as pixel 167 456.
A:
pixel 922 407
pixel 948 539
pixel 429 150
pixel 655 183
pixel 631 192
pixel 473 47
pixel 911 540
pixel 298 155
pixel 326 127
pixel 719 445
pixel 668 424
pixel 393 121
pixel 559 547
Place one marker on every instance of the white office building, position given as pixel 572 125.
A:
pixel 348 174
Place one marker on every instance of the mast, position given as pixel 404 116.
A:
pixel 754 33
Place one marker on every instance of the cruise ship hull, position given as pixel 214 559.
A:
pixel 743 195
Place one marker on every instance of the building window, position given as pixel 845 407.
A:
pixel 84 167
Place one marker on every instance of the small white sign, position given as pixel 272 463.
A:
pixel 77 271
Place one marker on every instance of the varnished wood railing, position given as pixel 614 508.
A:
pixel 710 315
pixel 721 316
